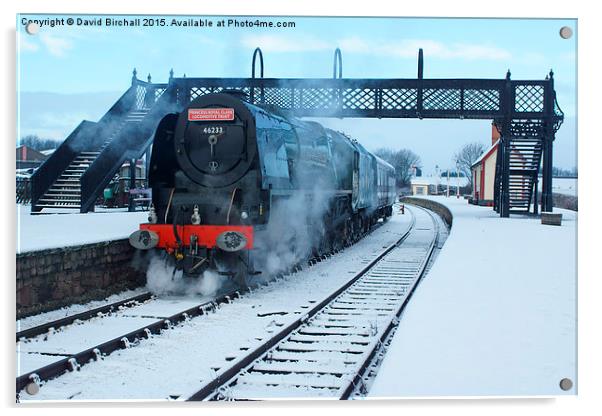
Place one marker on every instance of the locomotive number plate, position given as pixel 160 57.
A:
pixel 214 130
pixel 210 114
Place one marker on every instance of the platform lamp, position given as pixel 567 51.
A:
pixel 458 179
pixel 447 195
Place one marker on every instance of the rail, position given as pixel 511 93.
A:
pixel 83 316
pixel 75 361
pixel 94 353
pixel 227 377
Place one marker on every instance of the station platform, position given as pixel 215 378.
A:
pixel 495 316
pixel 57 230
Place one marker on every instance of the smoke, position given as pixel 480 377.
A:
pixel 208 284
pixel 162 278
pixel 295 228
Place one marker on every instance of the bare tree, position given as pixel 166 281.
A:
pixel 466 157
pixel 37 143
pixel 403 161
pixel 567 173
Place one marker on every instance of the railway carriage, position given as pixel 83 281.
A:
pixel 223 170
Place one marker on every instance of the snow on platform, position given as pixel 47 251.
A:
pixel 40 232
pixel 564 186
pixel 496 315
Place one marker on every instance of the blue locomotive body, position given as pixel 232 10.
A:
pixel 225 170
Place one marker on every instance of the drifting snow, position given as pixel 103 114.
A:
pixel 39 232
pixel 496 315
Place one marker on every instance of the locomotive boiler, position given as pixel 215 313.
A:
pixel 234 183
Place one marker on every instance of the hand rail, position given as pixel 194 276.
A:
pixel 130 142
pixel 87 136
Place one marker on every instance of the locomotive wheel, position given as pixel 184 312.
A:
pixel 361 227
pixel 355 227
pixel 347 234
pixel 325 245
pixel 339 237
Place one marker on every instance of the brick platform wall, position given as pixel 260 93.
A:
pixel 51 279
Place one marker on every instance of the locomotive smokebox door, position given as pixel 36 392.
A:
pixel 144 239
pixel 215 141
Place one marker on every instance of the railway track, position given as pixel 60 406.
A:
pixel 66 362
pixel 326 352
pixel 62 360
pixel 82 316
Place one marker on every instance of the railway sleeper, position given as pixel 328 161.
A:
pixel 293 380
pixel 300 368
pixel 312 355
pixel 309 347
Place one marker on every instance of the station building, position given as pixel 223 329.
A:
pixel 483 171
pixel 421 186
pixel 437 184
pixel 28 157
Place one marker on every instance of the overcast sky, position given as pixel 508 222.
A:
pixel 90 67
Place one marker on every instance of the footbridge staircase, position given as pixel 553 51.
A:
pixel 77 172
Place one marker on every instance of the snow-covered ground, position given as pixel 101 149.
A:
pixel 179 360
pixel 50 316
pixel 564 186
pixel 496 315
pixel 39 232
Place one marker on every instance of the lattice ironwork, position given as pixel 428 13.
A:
pixel 407 98
pixel 196 92
pixel 279 97
pixel 246 91
pixel 159 92
pixel 140 102
pixel 317 98
pixel 482 99
pixel 527 128
pixel 362 99
pixel 529 98
pixel 441 99
pixel 399 98
pixel 559 115
pixel 525 111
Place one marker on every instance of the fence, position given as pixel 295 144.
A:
pixel 23 190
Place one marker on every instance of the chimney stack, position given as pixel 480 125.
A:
pixel 495 134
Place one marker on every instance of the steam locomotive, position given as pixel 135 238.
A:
pixel 246 190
